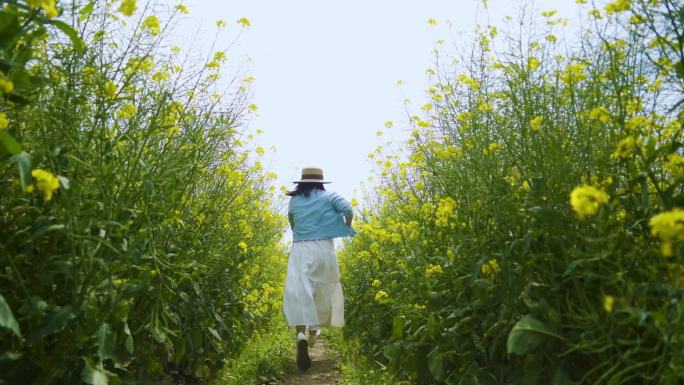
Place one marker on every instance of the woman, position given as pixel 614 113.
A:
pixel 313 294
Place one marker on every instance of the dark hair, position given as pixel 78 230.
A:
pixel 305 189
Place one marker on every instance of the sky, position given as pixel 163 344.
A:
pixel 326 71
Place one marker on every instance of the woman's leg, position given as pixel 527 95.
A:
pixel 303 359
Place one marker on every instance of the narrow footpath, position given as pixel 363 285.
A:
pixel 323 370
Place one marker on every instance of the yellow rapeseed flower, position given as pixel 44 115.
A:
pixel 110 89
pixel 618 6
pixel 243 246
pixel 626 147
pixel 381 296
pixel 533 63
pixel 182 9
pixel 469 81
pixel 490 269
pixel 608 302
pixel 151 24
pixel 675 165
pixel 492 148
pixel 376 283
pixel 573 73
pixel 600 114
pixel 126 111
pixel 669 227
pixel 4 121
pixel 586 200
pixel 127 7
pixel 45 182
pixel 434 269
pixel 244 22
pixel 6 85
pixel 446 210
pixel 536 123
pixel 48 6
pixel 160 76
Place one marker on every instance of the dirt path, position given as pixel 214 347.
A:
pixel 323 370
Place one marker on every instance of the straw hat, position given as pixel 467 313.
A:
pixel 311 175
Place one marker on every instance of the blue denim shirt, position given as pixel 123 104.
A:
pixel 319 216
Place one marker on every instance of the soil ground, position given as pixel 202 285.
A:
pixel 323 370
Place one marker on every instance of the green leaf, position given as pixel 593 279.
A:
pixel 391 352
pixel 105 341
pixel 86 11
pixel 679 69
pixel 398 326
pixel 129 338
pixel 18 99
pixel 93 374
pixel 53 322
pixel 436 364
pixel 9 143
pixel 158 334
pixel 10 29
pixel 23 160
pixel 526 335
pixel 10 356
pixel 7 319
pixel 77 42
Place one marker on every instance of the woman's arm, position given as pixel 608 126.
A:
pixel 342 206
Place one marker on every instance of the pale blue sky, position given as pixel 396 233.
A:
pixel 326 71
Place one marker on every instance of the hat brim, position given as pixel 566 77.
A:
pixel 311 181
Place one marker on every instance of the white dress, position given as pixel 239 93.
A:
pixel 313 294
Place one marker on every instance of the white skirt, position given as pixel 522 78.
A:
pixel 313 294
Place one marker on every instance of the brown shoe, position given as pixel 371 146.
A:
pixel 303 360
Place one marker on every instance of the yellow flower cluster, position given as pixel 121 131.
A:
pixel 48 6
pixel 109 90
pixel 469 81
pixel 492 148
pixel 6 85
pixel 434 269
pixel 536 123
pixel 574 73
pixel 127 7
pixel 151 24
pixel 376 283
pixel 381 295
pixel 533 63
pixel 669 227
pixel 46 183
pixel 586 200
pixel 490 269
pixel 182 9
pixel 144 64
pixel 618 6
pixel 446 211
pixel 4 121
pixel 600 114
pixel 675 165
pixel 126 111
pixel 626 147
pixel 608 302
